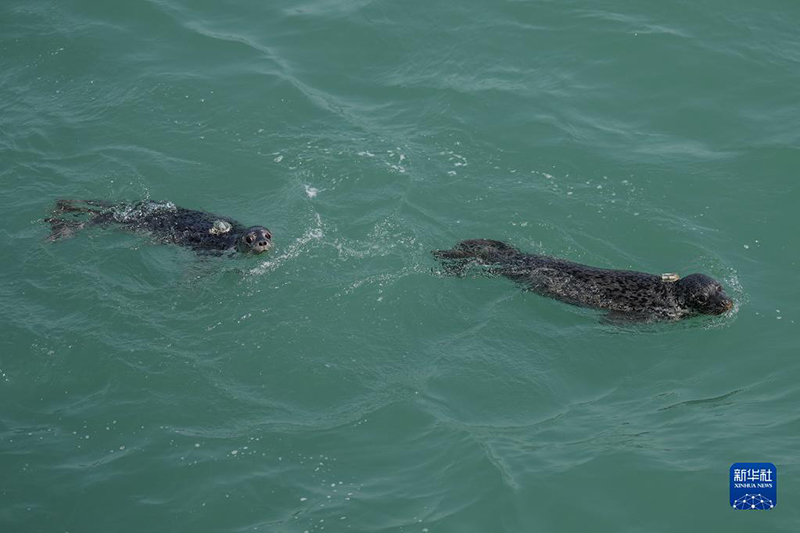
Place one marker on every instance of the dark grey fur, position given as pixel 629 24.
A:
pixel 166 222
pixel 625 293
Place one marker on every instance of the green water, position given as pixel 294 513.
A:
pixel 340 383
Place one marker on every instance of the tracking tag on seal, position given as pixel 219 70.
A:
pixel 670 277
pixel 220 227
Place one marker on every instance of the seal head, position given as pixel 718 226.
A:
pixel 703 294
pixel 254 240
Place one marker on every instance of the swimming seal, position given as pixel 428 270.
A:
pixel 167 223
pixel 625 294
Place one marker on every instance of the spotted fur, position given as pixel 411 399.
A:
pixel 164 221
pixel 622 292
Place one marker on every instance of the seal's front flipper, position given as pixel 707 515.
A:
pixel 484 249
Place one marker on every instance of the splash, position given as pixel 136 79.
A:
pixel 130 212
pixel 314 233
pixel 737 294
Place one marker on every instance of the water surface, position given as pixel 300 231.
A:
pixel 341 382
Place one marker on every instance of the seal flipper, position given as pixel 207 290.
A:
pixel 454 262
pixel 70 216
pixel 81 206
pixel 63 229
pixel 474 252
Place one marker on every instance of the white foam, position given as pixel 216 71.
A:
pixel 294 249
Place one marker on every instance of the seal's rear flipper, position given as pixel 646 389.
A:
pixel 70 216
pixel 484 252
pixel 63 229
pixel 457 268
pixel 446 255
pixel 485 249
pixel 455 262
pixel 80 206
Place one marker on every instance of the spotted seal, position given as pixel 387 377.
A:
pixel 167 223
pixel 625 294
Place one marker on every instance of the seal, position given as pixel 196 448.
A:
pixel 201 231
pixel 626 294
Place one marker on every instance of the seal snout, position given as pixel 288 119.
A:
pixel 718 306
pixel 723 307
pixel 727 304
pixel 261 246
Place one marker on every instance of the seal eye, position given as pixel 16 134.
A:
pixel 249 239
